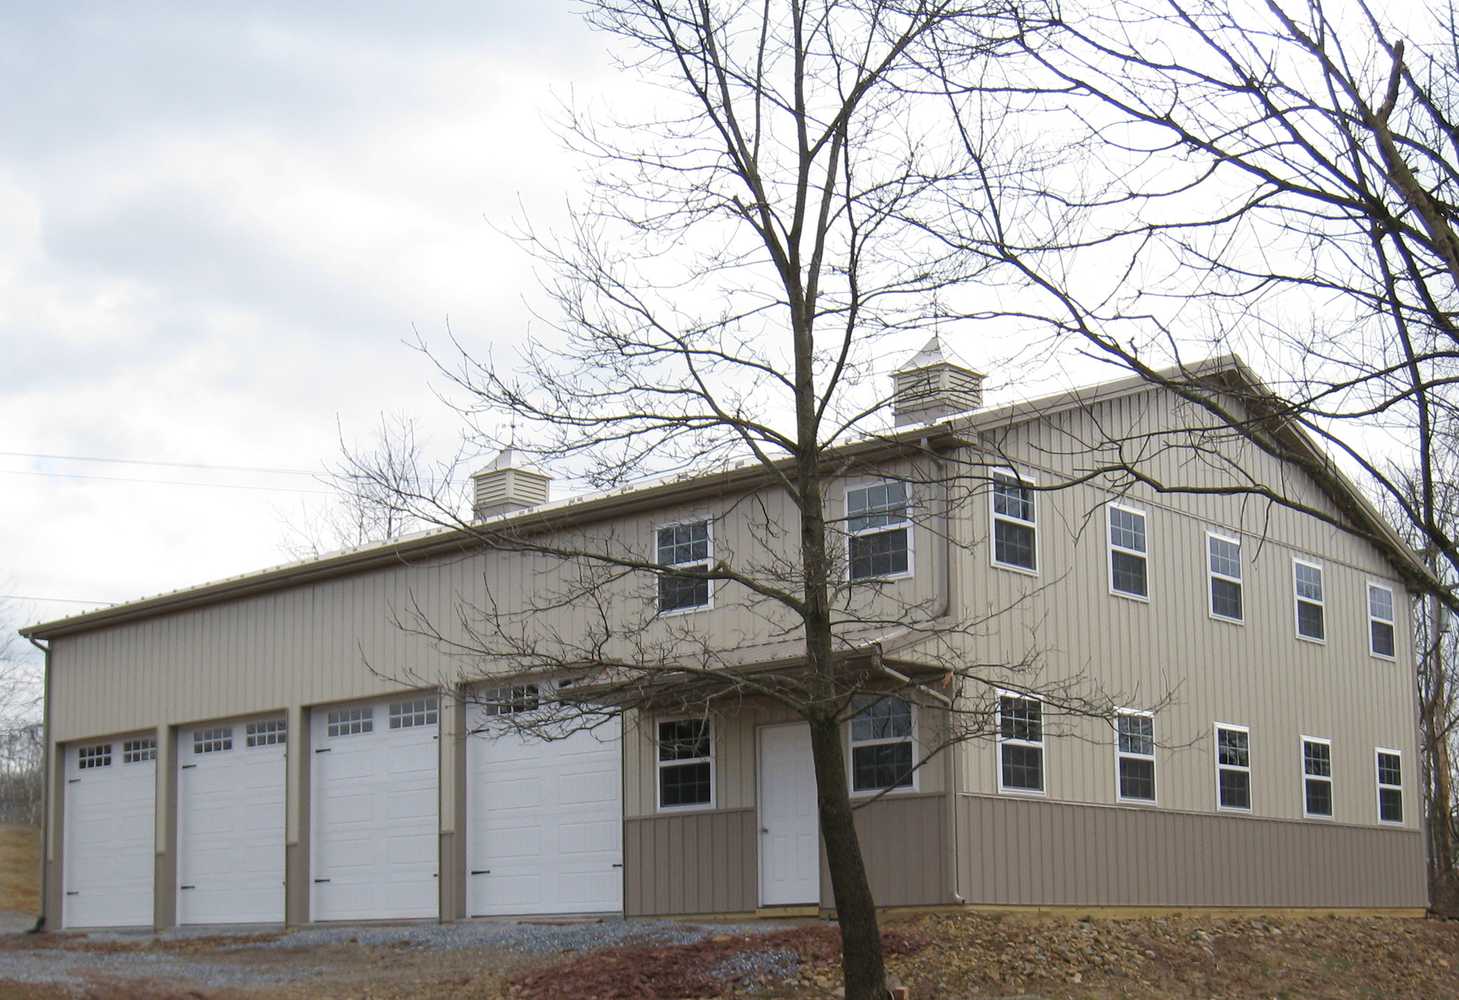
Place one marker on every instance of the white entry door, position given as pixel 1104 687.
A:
pixel 230 823
pixel 545 821
pixel 790 856
pixel 374 824
pixel 107 861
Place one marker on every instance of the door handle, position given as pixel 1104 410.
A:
pixel 320 881
pixel 481 871
pixel 618 865
pixel 764 829
pixel 187 887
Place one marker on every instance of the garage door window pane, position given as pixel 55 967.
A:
pixel 419 712
pixel 510 700
pixel 267 733
pixel 97 756
pixel 351 721
pixel 686 771
pixel 213 740
pixel 137 751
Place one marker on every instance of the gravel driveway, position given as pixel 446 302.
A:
pixel 381 960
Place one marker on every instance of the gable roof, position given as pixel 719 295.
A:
pixel 1222 371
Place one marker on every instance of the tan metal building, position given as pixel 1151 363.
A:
pixel 278 747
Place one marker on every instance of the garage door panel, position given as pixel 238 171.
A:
pixel 545 819
pixel 231 825
pixel 108 858
pixel 375 830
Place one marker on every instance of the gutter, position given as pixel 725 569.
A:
pixel 40 920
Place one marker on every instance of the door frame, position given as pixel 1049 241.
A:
pixel 760 774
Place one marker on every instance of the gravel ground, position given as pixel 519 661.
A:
pixel 262 957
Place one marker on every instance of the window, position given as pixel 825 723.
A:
pixel 1015 523
pixel 1020 744
pixel 1127 549
pixel 685 547
pixel 880 542
pixel 1307 578
pixel 1224 560
pixel 686 764
pixel 510 700
pixel 1380 621
pixel 417 712
pixel 351 721
pixel 1390 786
pixel 137 751
pixel 97 756
pixel 1316 777
pixel 266 733
pixel 1233 767
pixel 882 747
pixel 213 740
pixel 1135 756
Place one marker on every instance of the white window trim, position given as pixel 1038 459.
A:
pixel 1302 742
pixel 861 484
pixel 1042 744
pixel 852 744
pixel 1110 548
pixel 1121 754
pixel 1250 777
pixel 709 534
pixel 994 517
pixel 1297 601
pixel 659 765
pixel 1391 623
pixel 1379 787
pixel 1213 575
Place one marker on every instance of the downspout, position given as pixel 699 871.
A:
pixel 950 765
pixel 40 920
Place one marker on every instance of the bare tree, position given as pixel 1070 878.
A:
pixel 21 740
pixel 367 509
pixel 750 248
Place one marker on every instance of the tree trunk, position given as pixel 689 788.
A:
pixel 861 964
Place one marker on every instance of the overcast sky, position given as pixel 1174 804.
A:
pixel 220 223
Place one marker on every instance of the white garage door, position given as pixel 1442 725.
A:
pixel 545 821
pixel 230 823
pixel 374 820
pixel 111 792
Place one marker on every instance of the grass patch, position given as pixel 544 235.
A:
pixel 20 851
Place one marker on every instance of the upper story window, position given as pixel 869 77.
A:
pixel 879 530
pixel 1390 786
pixel 686 763
pixel 1223 557
pixel 1380 621
pixel 1307 581
pixel 1135 755
pixel 1233 767
pixel 1020 744
pixel 1316 777
pixel 684 547
pixel 1015 522
pixel 1128 573
pixel 882 748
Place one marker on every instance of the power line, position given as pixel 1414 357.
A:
pixel 165 482
pixel 173 465
pixel 57 600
